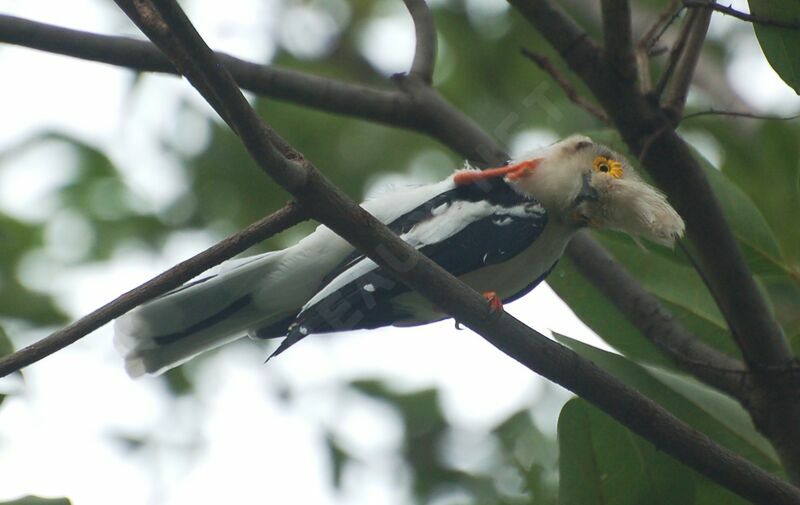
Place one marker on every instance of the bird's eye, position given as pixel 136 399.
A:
pixel 608 166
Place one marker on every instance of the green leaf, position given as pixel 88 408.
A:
pixel 678 287
pixel 339 457
pixel 711 413
pixel 780 45
pixel 597 312
pixel 532 453
pixel 603 463
pixel 751 229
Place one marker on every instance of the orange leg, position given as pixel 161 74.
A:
pixel 495 303
pixel 513 172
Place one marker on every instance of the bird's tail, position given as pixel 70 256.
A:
pixel 201 315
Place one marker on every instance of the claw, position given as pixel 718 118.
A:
pixel 495 303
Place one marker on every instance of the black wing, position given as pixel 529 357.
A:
pixel 364 301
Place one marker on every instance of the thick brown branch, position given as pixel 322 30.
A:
pixel 552 360
pixel 425 31
pixel 618 39
pixel 276 222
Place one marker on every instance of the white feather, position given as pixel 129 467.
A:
pixel 278 283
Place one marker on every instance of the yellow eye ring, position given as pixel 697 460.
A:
pixel 608 166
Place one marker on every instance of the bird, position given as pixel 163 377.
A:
pixel 500 230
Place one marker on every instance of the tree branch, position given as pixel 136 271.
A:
pixel 650 134
pixel 573 95
pixel 651 318
pixel 750 18
pixel 678 87
pixel 276 222
pixel 618 39
pixel 648 41
pixel 372 237
pixel 663 153
pixel 330 95
pixel 430 113
pixel 737 114
pixel 425 31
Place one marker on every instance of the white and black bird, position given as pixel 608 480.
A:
pixel 500 230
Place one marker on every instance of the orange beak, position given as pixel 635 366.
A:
pixel 512 172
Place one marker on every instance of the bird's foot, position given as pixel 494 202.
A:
pixel 512 172
pixel 495 303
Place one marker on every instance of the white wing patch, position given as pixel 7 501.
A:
pixel 443 224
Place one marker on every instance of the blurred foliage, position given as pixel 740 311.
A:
pixel 5 348
pixel 521 470
pixel 35 500
pixel 595 468
pixel 481 71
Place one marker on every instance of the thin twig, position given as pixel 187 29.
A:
pixel 276 222
pixel 667 17
pixel 738 114
pixel 674 55
pixel 425 31
pixel 545 64
pixel 681 79
pixel 618 39
pixel 644 48
pixel 750 18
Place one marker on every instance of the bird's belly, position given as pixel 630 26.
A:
pixel 506 279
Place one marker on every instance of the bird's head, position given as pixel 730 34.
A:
pixel 582 183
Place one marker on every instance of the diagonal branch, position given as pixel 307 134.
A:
pixel 428 112
pixel 425 31
pixel 418 107
pixel 276 222
pixel 648 314
pixel 345 217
